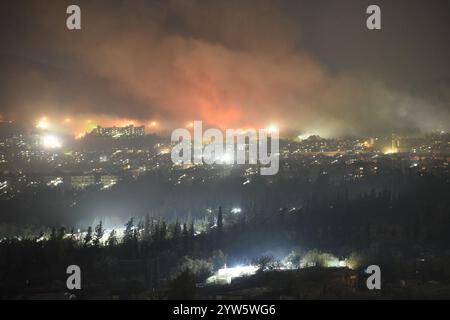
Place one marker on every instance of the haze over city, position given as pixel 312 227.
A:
pixel 307 66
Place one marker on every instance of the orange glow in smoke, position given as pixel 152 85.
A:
pixel 80 135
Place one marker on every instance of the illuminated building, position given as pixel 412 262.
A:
pixel 108 181
pixel 395 143
pixel 81 182
pixel 225 275
pixel 117 132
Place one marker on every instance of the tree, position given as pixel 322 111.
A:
pixel 128 233
pixel 176 230
pixel 162 230
pixel 99 232
pixel 88 236
pixel 140 229
pixel 200 268
pixel 155 233
pixel 293 259
pixel 220 221
pixel 318 259
pixel 183 286
pixel 147 228
pixel 53 234
pixel 266 263
pixel 185 231
pixel 217 259
pixel 112 238
pixel 191 229
pixel 61 233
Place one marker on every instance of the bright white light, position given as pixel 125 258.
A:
pixel 227 274
pixel 237 271
pixel 51 142
pixel 227 158
pixel 55 182
pixel 236 210
pixel 303 136
pixel 43 124
pixel 272 129
pixel 333 262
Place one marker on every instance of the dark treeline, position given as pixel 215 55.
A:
pixel 160 193
pixel 391 229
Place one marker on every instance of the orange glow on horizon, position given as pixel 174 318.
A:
pixel 75 125
pixel 273 128
pixel 80 135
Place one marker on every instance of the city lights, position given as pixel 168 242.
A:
pixel 390 151
pixel 236 210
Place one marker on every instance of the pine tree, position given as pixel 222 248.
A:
pixel 140 229
pixel 128 233
pixel 176 230
pixel 220 221
pixel 147 227
pixel 88 236
pixel 112 238
pixel 53 234
pixel 185 231
pixel 191 229
pixel 99 232
pixel 156 236
pixel 163 230
pixel 61 233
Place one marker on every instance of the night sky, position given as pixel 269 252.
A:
pixel 307 66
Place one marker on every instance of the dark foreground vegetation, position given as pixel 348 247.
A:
pixel 406 234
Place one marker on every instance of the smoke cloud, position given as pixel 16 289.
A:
pixel 307 66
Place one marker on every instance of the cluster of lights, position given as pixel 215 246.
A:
pixel 43 124
pixel 51 142
pixel 236 210
pixel 390 151
pixel 272 129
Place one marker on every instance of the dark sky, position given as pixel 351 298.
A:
pixel 308 66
